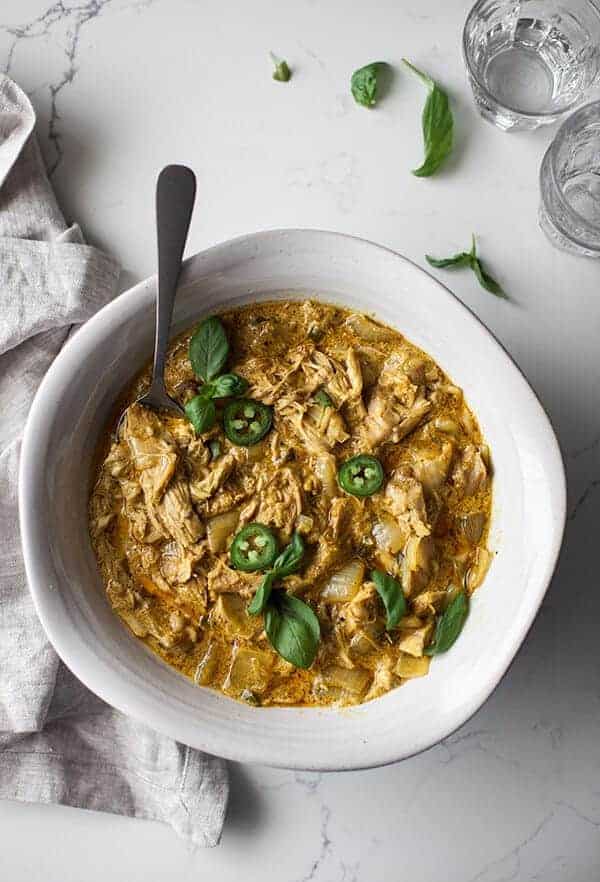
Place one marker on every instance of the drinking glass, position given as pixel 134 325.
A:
pixel 570 184
pixel 531 61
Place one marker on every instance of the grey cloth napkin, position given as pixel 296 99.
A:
pixel 59 742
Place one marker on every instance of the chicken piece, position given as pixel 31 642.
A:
pixel 323 370
pixel 280 502
pixel 153 453
pixel 368 330
pixel 432 465
pixel 383 678
pixel 470 472
pixel 396 407
pixel 319 428
pixel 418 563
pixel 177 563
pixel 270 375
pixel 429 602
pixel 223 580
pixel 360 611
pixel 341 513
pixel 176 517
pixel 404 498
pixel 210 478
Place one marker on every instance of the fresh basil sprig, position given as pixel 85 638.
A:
pixel 449 625
pixel 282 72
pixel 365 82
pixel 286 563
pixel 470 259
pixel 390 591
pixel 437 123
pixel 292 628
pixel 208 353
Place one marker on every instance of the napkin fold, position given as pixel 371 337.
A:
pixel 59 742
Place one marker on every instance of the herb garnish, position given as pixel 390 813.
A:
pixel 284 564
pixel 208 353
pixel 290 624
pixel 390 591
pixel 449 625
pixel 364 83
pixel 292 628
pixel 437 125
pixel 282 72
pixel 470 259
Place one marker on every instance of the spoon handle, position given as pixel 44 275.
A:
pixel 175 194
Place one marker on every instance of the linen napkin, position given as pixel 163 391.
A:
pixel 58 741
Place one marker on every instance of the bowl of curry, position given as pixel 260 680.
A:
pixel 331 558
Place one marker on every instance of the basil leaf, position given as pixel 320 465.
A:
pixel 290 558
pixel 282 72
pixel 292 628
pixel 462 259
pixel 485 280
pixel 263 592
pixel 365 81
pixel 228 386
pixel 201 413
pixel 390 591
pixel 208 349
pixel 449 625
pixel 470 259
pixel 437 123
pixel 322 398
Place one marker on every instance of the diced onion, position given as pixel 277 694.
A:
pixel 326 473
pixel 409 667
pixel 344 584
pixel 388 535
pixel 476 574
pixel 219 529
pixel 354 681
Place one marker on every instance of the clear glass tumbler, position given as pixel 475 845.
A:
pixel 570 184
pixel 531 61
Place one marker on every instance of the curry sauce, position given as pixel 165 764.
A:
pixel 167 503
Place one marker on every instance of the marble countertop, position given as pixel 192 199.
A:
pixel 122 88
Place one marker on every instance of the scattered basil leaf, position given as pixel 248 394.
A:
pixel 462 259
pixel 470 259
pixel 437 123
pixel 322 398
pixel 208 349
pixel 292 628
pixel 290 558
pixel 282 72
pixel 365 81
pixel 215 448
pixel 201 413
pixel 390 591
pixel 449 625
pixel 263 592
pixel 228 386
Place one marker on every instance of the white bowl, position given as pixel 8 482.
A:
pixel 71 410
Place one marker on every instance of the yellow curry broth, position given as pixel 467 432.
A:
pixel 163 513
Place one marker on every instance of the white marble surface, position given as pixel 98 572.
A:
pixel 123 87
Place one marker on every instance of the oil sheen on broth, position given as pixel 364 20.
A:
pixel 167 503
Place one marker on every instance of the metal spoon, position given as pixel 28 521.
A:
pixel 175 194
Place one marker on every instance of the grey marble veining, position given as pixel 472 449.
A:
pixel 122 87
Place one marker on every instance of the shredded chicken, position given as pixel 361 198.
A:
pixel 167 505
